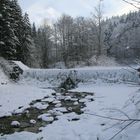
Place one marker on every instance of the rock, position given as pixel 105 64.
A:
pixel 58 94
pixel 49 100
pixel 44 115
pixel 69 108
pixel 69 83
pixel 68 98
pixel 61 109
pixel 15 123
pixel 83 100
pixel 74 99
pixel 56 102
pixel 75 103
pixel 90 98
pixel 58 105
pixel 56 113
pixel 47 119
pixel 40 106
pixel 33 121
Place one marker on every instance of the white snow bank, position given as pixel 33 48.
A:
pixel 3 78
pixel 21 65
pixel 14 96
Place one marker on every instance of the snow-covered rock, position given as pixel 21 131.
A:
pixel 58 94
pixel 61 109
pixel 58 105
pixel 67 98
pixel 33 121
pixel 75 103
pixel 45 114
pixel 49 100
pixel 56 102
pixel 40 106
pixel 46 117
pixel 74 99
pixel 83 100
pixel 15 123
pixel 69 108
pixel 55 112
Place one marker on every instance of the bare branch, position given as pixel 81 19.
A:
pixel 132 3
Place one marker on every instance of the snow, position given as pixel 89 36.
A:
pixel 15 123
pixel 40 106
pixel 88 127
pixel 49 100
pixel 3 77
pixel 54 77
pixel 21 65
pixel 15 95
pixel 109 100
pixel 33 121
pixel 2 43
pixel 75 103
pixel 46 117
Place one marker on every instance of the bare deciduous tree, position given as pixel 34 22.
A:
pixel 97 22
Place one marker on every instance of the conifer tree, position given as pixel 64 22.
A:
pixel 8 39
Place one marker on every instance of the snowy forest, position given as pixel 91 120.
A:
pixel 74 78
pixel 69 41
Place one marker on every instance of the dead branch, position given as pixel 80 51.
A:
pixel 132 3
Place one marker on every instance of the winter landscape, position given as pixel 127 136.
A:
pixel 66 74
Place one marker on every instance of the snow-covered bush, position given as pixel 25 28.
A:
pixel 70 81
pixel 15 123
pixel 102 61
pixel 11 69
pixel 58 65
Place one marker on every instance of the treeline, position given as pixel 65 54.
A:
pixel 76 40
pixel 122 37
pixel 69 40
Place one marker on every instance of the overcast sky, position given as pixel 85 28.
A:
pixel 52 9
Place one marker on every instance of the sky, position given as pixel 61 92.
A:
pixel 50 10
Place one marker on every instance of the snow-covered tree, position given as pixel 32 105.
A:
pixel 8 38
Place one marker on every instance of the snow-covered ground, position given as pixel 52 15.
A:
pixel 13 96
pixel 113 100
pixel 3 78
pixel 89 127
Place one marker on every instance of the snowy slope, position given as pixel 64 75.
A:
pixel 3 78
